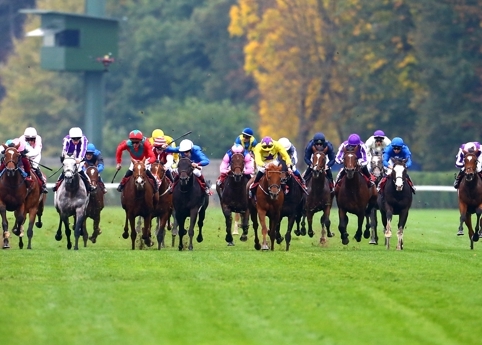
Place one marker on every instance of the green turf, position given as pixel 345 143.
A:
pixel 356 294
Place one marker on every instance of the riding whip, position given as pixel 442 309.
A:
pixel 114 176
pixel 182 136
pixel 56 172
pixel 43 166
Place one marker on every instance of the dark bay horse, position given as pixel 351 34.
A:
pixel 234 197
pixel 137 200
pixel 96 202
pixel 13 192
pixel 268 203
pixel 396 199
pixel 354 196
pixel 470 197
pixel 293 204
pixel 189 200
pixel 71 199
pixel 319 197
pixel 377 171
pixel 163 210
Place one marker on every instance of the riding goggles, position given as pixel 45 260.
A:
pixel 267 146
pixel 396 147
pixel 378 139
pixel 75 139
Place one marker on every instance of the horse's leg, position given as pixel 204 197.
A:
pixel 303 225
pixel 402 220
pixel 476 235
pixel 309 218
pixel 132 224
pixel 373 226
pixel 182 231
pixel 192 223
pixel 245 225
pixel 273 229
pixel 65 220
pixel 175 228
pixel 388 227
pixel 264 229
pixel 358 234
pixel 161 232
pixel 125 234
pixel 32 213
pixel 58 235
pixel 323 234
pixel 342 226
pixel 96 222
pixel 291 221
pixel 200 223
pixel 6 233
pixel 78 230
pixel 228 222
pixel 146 231
pixel 327 221
pixel 463 216
pixel 254 219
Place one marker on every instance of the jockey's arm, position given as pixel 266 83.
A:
pixel 459 162
pixel 224 167
pixel 169 161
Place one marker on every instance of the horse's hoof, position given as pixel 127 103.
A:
pixel 366 234
pixel 264 247
pixel 6 246
pixel 311 233
pixel 199 239
pixel 39 224
pixel 345 240
pixel 280 239
pixel 372 241
pixel 460 233
pixel 475 237
pixel 230 244
pixel 330 234
pixel 92 239
pixel 20 245
pixel 243 238
pixel 16 232
pixel 297 232
pixel 69 246
pixel 125 235
pixel 58 237
pixel 257 246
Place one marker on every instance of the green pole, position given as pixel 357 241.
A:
pixel 94 88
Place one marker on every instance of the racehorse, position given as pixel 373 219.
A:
pixel 354 196
pixel 319 197
pixel 137 200
pixel 96 202
pixel 71 199
pixel 268 203
pixel 233 197
pixel 396 198
pixel 470 198
pixel 163 209
pixel 13 191
pixel 377 171
pixel 294 200
pixel 189 200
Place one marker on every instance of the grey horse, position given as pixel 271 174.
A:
pixel 71 199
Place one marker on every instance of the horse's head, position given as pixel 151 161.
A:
pixel 11 157
pixel 318 162
pixel 93 175
pixel 139 173
pixel 185 169
pixel 69 167
pixel 376 165
pixel 273 178
pixel 157 169
pixel 237 166
pixel 350 162
pixel 470 165
pixel 399 174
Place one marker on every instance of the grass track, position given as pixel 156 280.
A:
pixel 355 294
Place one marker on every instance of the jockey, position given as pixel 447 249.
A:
pixel 319 142
pixel 291 150
pixel 24 163
pixel 247 140
pixel 375 145
pixel 75 144
pixel 473 146
pixel 170 142
pixel 139 148
pixel 93 157
pixel 162 156
pixel 34 153
pixel 195 154
pixel 396 150
pixel 354 142
pixel 265 152
pixel 225 166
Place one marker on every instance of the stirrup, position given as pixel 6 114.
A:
pixel 119 188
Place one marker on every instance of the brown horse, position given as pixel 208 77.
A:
pixel 377 171
pixel 163 209
pixel 234 197
pixel 268 203
pixel 13 192
pixel 319 197
pixel 395 199
pixel 96 201
pixel 137 200
pixel 470 197
pixel 354 196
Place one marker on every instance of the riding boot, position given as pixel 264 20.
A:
pixel 367 174
pixel 124 180
pixel 340 175
pixel 307 174
pixel 41 178
pixel 412 186
pixel 458 178
pixel 254 185
pixel 329 176
pixel 59 182
pixel 28 181
pixel 149 173
pixel 169 176
pixel 206 187
pixel 84 177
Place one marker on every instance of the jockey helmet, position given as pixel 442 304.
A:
pixel 157 133
pixel 136 135
pixel 354 139
pixel 30 132
pixel 90 148
pixel 319 138
pixel 237 148
pixel 75 132
pixel 248 131
pixel 285 142
pixel 185 145
pixel 159 141
pixel 397 141
pixel 267 144
pixel 470 147
pixel 379 133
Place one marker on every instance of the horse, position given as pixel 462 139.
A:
pixel 233 197
pixel 268 203
pixel 353 196
pixel 470 198
pixel 189 200
pixel 395 199
pixel 71 199
pixel 293 204
pixel 137 200
pixel 377 171
pixel 96 201
pixel 319 197
pixel 163 209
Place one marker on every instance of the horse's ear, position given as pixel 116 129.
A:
pixel 4 146
pixel 17 146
